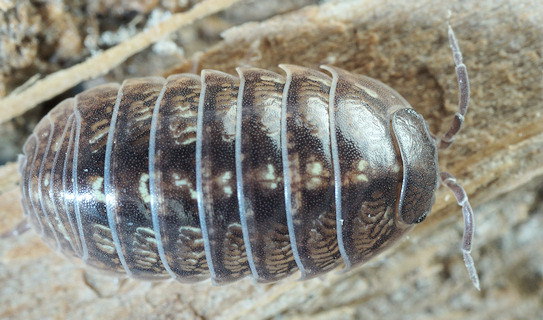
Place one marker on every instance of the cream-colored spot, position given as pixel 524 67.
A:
pixel 201 254
pixel 357 174
pixel 103 239
pixel 268 177
pixel 184 109
pixel 371 92
pixel 97 185
pixel 272 79
pixel 181 182
pixel 182 132
pixel 270 173
pixel 46 179
pixel 148 234
pixel 105 248
pixel 190 229
pixel 57 146
pixel 144 245
pixel 225 177
pixel 314 168
pixel 143 116
pixel 199 241
pixel 229 125
pixel 61 228
pixel 235 226
pixel 184 184
pixel 316 173
pixel 101 123
pixel 188 141
pixel 224 182
pixel 143 261
pixel 193 194
pixel 98 135
pixel 228 191
pixel 144 188
pixel 313 183
pixel 189 129
pixel 145 258
pixel 186 112
pixel 270 115
pixel 362 177
pixel 362 165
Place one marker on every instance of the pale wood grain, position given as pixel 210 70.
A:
pixel 60 81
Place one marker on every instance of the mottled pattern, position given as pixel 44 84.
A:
pixel 222 177
pixel 173 179
pixel 310 187
pixel 126 177
pixel 369 168
pixel 84 170
pixel 260 175
pixel 216 177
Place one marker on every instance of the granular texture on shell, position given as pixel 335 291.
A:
pixel 222 176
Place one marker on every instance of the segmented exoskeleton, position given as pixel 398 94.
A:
pixel 221 176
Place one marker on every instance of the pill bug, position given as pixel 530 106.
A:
pixel 217 176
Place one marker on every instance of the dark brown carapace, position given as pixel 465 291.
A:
pixel 220 177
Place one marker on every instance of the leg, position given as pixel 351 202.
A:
pixel 463 87
pixel 469 222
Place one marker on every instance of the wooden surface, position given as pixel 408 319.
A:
pixel 99 64
pixel 498 157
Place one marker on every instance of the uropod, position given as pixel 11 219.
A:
pixel 220 176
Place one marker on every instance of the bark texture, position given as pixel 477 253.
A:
pixel 498 157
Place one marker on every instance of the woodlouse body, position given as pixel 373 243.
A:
pixel 223 177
